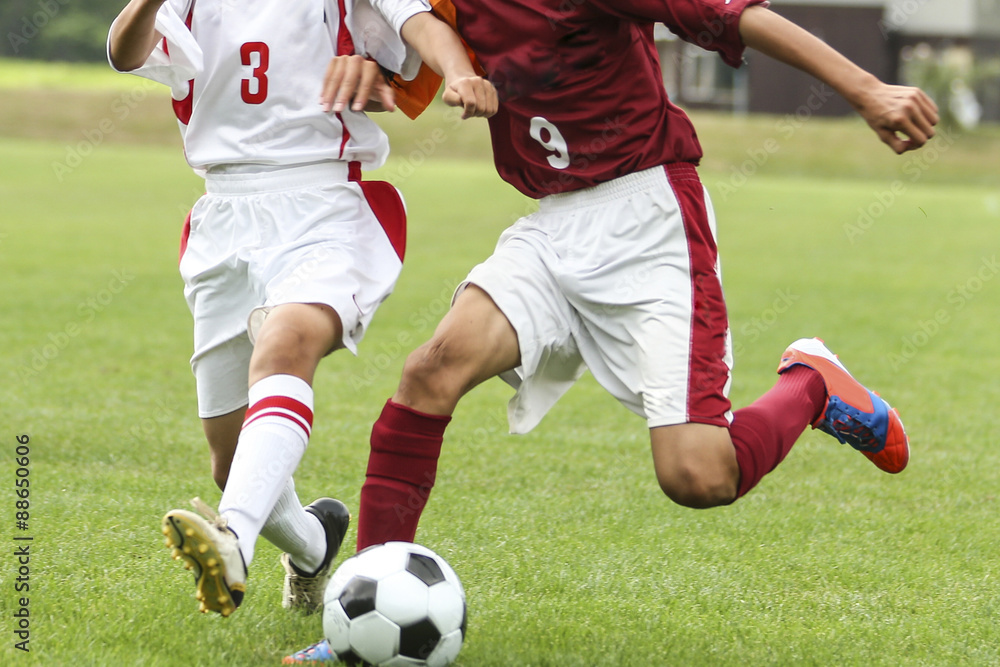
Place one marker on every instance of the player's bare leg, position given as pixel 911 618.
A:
pixel 473 343
pixel 288 348
pixel 293 339
pixel 704 466
pixel 695 464
pixel 255 473
pixel 223 433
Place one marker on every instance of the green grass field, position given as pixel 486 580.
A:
pixel 569 553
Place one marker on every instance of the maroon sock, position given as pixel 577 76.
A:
pixel 402 466
pixel 764 431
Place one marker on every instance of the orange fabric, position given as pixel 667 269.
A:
pixel 412 97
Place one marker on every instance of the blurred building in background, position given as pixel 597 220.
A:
pixel 951 48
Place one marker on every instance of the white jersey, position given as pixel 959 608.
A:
pixel 246 77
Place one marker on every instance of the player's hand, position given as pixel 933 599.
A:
pixel 476 96
pixel 355 80
pixel 900 110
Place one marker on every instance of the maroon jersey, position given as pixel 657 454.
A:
pixel 582 98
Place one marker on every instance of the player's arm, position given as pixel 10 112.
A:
pixel 440 48
pixel 889 110
pixel 133 34
pixel 357 81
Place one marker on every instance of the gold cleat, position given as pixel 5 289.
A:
pixel 211 549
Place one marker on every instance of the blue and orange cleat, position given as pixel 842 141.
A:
pixel 319 652
pixel 853 414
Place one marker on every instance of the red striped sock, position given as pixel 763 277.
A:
pixel 763 432
pixel 402 467
pixel 273 439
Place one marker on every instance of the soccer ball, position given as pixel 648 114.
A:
pixel 395 605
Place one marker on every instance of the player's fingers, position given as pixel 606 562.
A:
pixel 386 94
pixel 928 107
pixel 916 113
pixel 451 97
pixel 369 70
pixel 918 133
pixel 349 83
pixel 892 140
pixel 480 97
pixel 923 123
pixel 331 82
pixel 486 98
pixel 493 100
pixel 466 88
pixel 474 108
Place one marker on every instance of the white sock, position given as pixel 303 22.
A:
pixel 274 438
pixel 295 531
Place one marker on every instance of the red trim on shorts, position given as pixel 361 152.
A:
pixel 185 235
pixel 707 370
pixel 354 171
pixel 388 208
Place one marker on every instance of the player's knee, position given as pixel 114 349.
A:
pixel 696 486
pixel 432 370
pixel 285 349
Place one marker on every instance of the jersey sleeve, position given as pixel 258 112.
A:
pixel 375 28
pixel 711 24
pixel 177 58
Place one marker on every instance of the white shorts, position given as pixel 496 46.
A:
pixel 297 235
pixel 621 278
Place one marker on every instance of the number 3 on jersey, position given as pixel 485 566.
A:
pixel 554 141
pixel 254 89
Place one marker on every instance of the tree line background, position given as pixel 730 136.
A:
pixel 70 30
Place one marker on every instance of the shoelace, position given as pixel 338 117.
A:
pixel 213 517
pixel 304 587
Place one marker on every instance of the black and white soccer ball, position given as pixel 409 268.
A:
pixel 395 605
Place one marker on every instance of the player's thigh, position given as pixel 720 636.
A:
pixel 472 343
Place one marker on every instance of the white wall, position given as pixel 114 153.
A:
pixel 932 17
pixel 971 18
